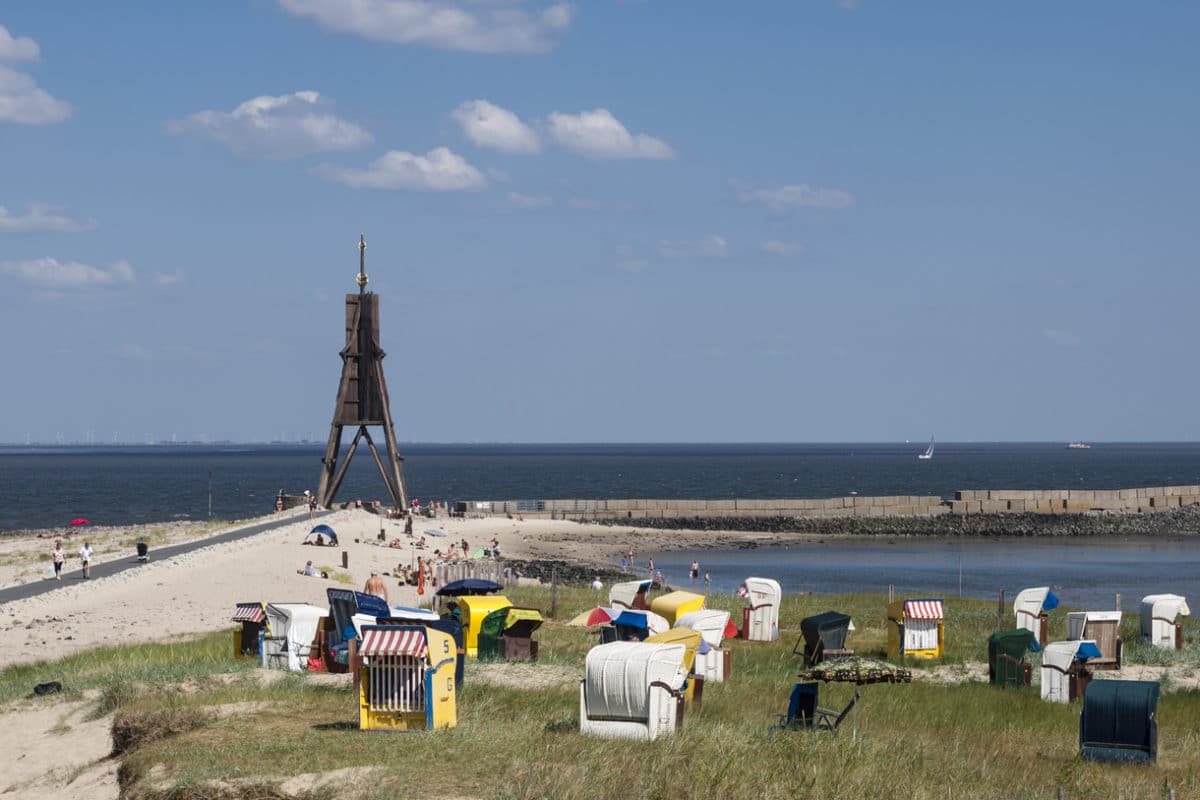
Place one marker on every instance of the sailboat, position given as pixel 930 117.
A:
pixel 928 454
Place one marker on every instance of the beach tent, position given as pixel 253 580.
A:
pixel 1102 627
pixel 507 634
pixel 407 679
pixel 1160 620
pixel 1119 721
pixel 671 605
pixel 693 690
pixel 252 627
pixel 1065 675
pixel 1030 609
pixel 632 690
pixel 760 617
pixel 916 628
pixel 329 537
pixel 293 632
pixel 474 609
pixel 1006 657
pixel 824 635
pixel 630 594
pixel 713 626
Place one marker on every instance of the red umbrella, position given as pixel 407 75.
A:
pixel 80 521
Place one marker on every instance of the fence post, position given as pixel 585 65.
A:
pixel 345 560
pixel 1000 612
pixel 554 593
pixel 1118 601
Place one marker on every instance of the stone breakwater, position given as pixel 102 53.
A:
pixel 1178 522
pixel 966 502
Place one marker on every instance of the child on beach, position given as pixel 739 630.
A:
pixel 59 558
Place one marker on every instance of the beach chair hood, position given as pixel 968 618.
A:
pixel 1077 621
pixel 619 675
pixel 710 623
pixel 626 593
pixel 671 605
pixel 296 624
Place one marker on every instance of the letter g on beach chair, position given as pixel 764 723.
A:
pixel 804 714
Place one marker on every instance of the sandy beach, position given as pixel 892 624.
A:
pixel 77 615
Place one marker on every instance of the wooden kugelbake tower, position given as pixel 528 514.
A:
pixel 362 398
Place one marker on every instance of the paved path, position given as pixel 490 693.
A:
pixel 71 573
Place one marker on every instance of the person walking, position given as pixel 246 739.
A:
pixel 59 559
pixel 375 586
pixel 85 556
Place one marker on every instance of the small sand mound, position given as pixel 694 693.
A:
pixel 312 781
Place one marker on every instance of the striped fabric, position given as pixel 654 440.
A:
pixel 923 609
pixel 398 642
pixel 249 612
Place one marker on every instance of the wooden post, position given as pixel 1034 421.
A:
pixel 1000 612
pixel 960 594
pixel 554 593
pixel 345 560
pixel 351 662
pixel 891 593
pixel 1118 601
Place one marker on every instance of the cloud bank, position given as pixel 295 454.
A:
pixel 288 126
pixel 474 26
pixel 41 218
pixel 439 170
pixel 793 196
pixel 598 134
pixel 21 101
pixel 495 128
pixel 54 275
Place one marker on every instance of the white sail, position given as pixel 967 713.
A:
pixel 928 454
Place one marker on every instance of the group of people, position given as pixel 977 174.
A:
pixel 59 557
pixel 657 575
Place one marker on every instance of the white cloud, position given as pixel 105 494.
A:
pixel 472 25
pixel 132 352
pixel 783 249
pixel 52 274
pixel 709 247
pixel 794 195
pixel 17 49
pixel 1062 338
pixel 530 201
pixel 598 134
pixel 164 279
pixel 634 265
pixel 288 126
pixel 488 125
pixel 41 217
pixel 21 100
pixel 439 170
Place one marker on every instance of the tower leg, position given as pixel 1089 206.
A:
pixel 328 464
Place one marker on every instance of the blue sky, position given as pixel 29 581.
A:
pixel 603 221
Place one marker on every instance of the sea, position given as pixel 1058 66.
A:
pixel 47 487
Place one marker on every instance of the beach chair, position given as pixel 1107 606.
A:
pixel 632 690
pixel 1006 657
pixel 804 714
pixel 1102 627
pixel 1119 721
pixel 823 636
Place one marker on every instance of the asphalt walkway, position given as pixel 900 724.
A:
pixel 72 576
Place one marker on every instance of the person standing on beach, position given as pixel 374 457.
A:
pixel 312 503
pixel 59 559
pixel 376 586
pixel 85 556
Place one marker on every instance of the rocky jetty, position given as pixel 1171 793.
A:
pixel 1178 522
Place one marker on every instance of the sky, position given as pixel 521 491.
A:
pixel 602 221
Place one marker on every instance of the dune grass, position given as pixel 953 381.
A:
pixel 923 741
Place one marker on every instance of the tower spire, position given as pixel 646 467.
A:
pixel 362 265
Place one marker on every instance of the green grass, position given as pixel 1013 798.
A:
pixel 921 741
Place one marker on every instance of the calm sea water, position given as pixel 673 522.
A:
pixel 1084 573
pixel 42 488
pixel 47 487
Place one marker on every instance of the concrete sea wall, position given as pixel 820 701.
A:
pixel 966 502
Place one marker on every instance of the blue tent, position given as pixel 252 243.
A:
pixel 325 529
